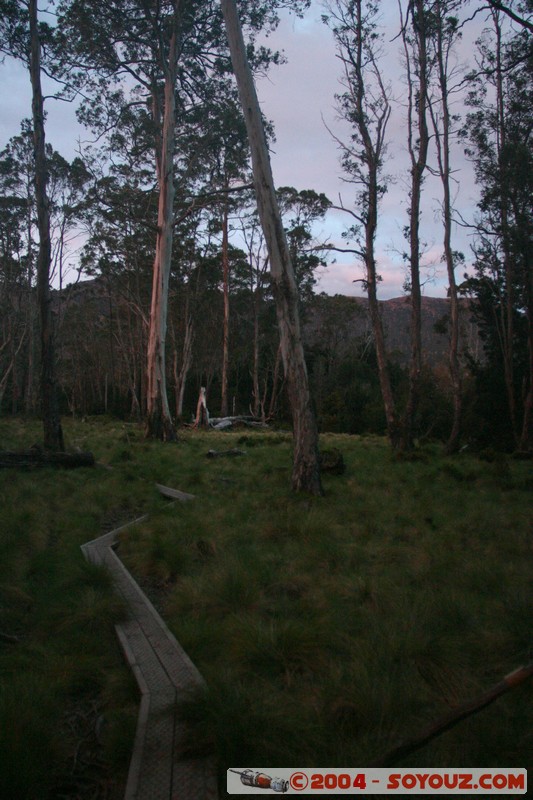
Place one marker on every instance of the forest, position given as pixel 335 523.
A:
pixel 348 569
pixel 177 280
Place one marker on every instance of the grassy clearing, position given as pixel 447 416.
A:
pixel 326 628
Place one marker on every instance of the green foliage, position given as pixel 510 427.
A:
pixel 497 131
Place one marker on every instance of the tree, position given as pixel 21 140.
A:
pixel 20 37
pixel 445 32
pixel 499 128
pixel 230 156
pixel 300 210
pixel 365 104
pixel 506 9
pixel 306 467
pixel 152 45
pixel 17 259
pixel 415 37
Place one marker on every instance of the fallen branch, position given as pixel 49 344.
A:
pixel 8 638
pixel 455 716
pixel 42 458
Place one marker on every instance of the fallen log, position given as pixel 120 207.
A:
pixel 174 494
pixel 43 458
pixel 225 423
pixel 232 452
pixel 235 418
pixel 455 716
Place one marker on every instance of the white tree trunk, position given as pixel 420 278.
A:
pixel 159 420
pixel 306 467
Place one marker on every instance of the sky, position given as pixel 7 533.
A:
pixel 299 98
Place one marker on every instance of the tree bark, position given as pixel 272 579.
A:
pixel 159 420
pixel 306 466
pixel 53 433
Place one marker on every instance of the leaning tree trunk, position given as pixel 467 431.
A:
pixel 306 466
pixel 159 420
pixel 53 433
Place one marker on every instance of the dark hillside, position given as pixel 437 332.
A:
pixel 337 323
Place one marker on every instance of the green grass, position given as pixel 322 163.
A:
pixel 326 628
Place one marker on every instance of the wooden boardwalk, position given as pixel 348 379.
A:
pixel 164 674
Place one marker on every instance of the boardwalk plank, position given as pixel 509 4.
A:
pixel 165 675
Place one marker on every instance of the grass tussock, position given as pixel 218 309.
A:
pixel 326 628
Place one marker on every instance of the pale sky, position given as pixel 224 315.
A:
pixel 299 98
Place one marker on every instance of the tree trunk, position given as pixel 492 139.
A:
pixel 53 433
pixel 275 382
pixel 442 139
pixel 418 149
pixel 366 106
pixel 29 394
pixel 375 315
pixel 180 377
pixel 202 414
pixel 507 327
pixel 374 155
pixel 225 334
pixel 306 465
pixel 526 436
pixel 255 366
pixel 159 420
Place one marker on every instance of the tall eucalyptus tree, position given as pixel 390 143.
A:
pixel 20 37
pixel 306 460
pixel 445 33
pixel 365 104
pixel 415 28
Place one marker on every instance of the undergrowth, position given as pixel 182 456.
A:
pixel 327 629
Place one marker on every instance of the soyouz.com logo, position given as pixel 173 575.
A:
pixel 405 781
